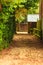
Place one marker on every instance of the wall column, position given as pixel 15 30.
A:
pixel 41 16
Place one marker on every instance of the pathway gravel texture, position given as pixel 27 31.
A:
pixel 24 50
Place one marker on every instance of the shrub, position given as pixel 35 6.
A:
pixel 6 25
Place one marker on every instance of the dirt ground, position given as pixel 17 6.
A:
pixel 24 50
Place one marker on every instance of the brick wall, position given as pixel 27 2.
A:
pixel 22 27
pixel 25 27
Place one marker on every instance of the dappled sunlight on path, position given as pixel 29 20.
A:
pixel 25 50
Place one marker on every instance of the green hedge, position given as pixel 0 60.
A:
pixel 38 31
pixel 7 26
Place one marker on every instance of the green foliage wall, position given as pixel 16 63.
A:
pixel 6 25
pixel 39 25
pixel 38 30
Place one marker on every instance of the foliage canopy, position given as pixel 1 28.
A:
pixel 8 14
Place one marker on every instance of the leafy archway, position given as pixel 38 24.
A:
pixel 7 18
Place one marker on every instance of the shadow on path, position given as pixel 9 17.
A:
pixel 27 41
pixel 24 50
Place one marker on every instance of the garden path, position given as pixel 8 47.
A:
pixel 24 50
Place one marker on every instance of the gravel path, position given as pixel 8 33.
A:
pixel 25 50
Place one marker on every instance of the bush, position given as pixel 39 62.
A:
pixel 6 25
pixel 38 30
